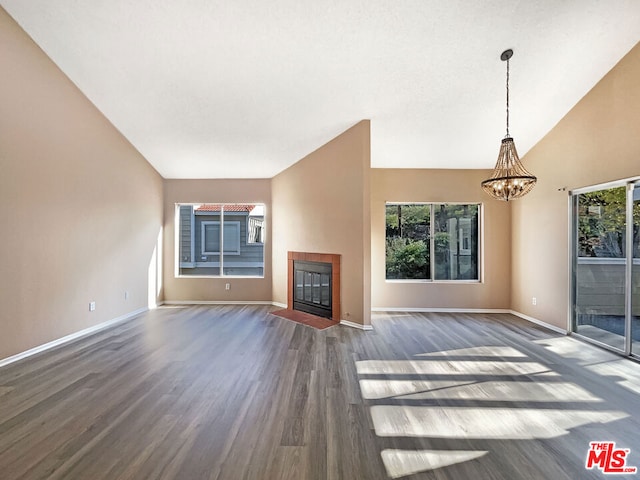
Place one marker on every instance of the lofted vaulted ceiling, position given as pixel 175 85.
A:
pixel 245 88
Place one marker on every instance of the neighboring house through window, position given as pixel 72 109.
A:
pixel 206 229
pixel 255 230
pixel 211 238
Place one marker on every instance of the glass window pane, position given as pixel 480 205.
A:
pixel 456 242
pixel 407 241
pixel 231 238
pixel 199 242
pixel 600 265
pixel 243 240
pixel 601 223
pixel 199 239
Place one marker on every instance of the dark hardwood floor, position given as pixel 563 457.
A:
pixel 230 392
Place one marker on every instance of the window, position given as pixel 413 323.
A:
pixel 456 242
pixel 408 242
pixel 211 238
pixel 428 241
pixel 203 229
pixel 255 230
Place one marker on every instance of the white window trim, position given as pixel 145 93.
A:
pixel 196 263
pixel 432 205
pixel 193 234
pixel 226 264
pixel 603 186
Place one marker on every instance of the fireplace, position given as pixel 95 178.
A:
pixel 314 284
pixel 312 288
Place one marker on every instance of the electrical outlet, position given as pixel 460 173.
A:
pixel 227 286
pixel 126 295
pixel 92 306
pixel 534 301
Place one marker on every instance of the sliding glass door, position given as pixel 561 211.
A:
pixel 635 274
pixel 606 266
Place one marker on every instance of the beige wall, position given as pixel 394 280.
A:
pixel 80 208
pixel 596 142
pixel 214 191
pixel 408 185
pixel 321 205
pixel 82 211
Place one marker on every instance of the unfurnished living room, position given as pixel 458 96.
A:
pixel 319 239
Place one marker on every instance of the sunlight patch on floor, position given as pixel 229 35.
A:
pixel 628 378
pixel 568 347
pixel 493 351
pixel 482 423
pixel 400 463
pixel 475 390
pixel 445 395
pixel 624 371
pixel 448 367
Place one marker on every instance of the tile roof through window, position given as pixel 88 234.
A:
pixel 227 208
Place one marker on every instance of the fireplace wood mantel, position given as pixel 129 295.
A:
pixel 334 260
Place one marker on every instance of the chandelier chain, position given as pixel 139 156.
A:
pixel 510 179
pixel 507 97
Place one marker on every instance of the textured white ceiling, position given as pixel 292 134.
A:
pixel 245 88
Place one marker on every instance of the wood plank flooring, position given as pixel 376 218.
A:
pixel 230 392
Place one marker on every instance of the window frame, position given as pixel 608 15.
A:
pixel 219 263
pixel 432 263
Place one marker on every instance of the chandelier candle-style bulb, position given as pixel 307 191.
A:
pixel 509 179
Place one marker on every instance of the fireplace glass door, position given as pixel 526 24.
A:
pixel 312 288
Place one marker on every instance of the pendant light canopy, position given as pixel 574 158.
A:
pixel 509 179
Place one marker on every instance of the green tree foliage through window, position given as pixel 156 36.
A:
pixel 410 250
pixel 407 238
pixel 602 223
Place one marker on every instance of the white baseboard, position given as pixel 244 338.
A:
pixel 278 304
pixel 71 337
pixel 540 322
pixel 473 310
pixel 220 302
pixel 347 323
pixel 440 310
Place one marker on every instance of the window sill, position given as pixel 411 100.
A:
pixel 219 277
pixel 411 280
